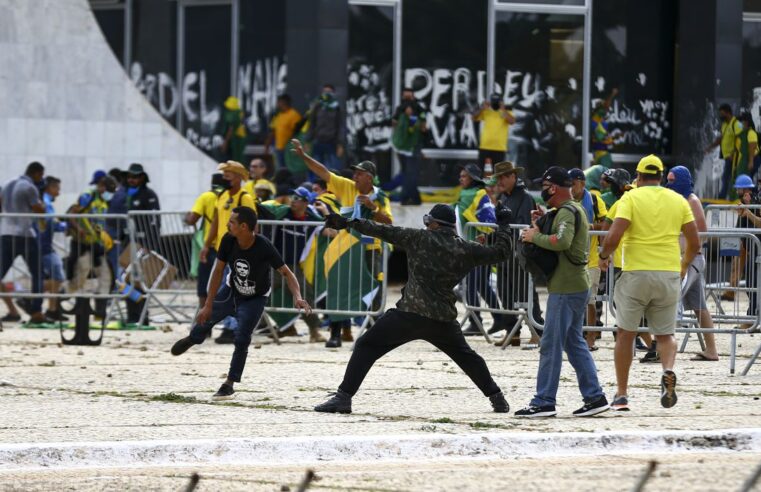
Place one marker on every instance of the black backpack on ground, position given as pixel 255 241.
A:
pixel 540 263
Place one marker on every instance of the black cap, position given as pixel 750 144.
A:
pixel 443 214
pixel 576 173
pixel 474 171
pixel 556 175
pixel 136 169
pixel 365 166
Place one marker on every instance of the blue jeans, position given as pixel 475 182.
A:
pixel 562 332
pixel 29 249
pixel 247 311
pixel 411 172
pixel 726 177
pixel 326 154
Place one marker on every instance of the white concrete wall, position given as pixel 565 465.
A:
pixel 66 102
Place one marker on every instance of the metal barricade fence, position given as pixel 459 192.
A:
pixel 484 289
pixel 342 276
pixel 501 290
pixel 62 256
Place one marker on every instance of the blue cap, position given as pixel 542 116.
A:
pixel 743 181
pixel 97 176
pixel 577 173
pixel 304 193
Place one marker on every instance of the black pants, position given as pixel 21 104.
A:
pixel 494 155
pixel 395 328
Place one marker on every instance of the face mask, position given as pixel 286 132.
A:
pixel 107 196
pixel 546 195
pixel 226 184
pixel 132 191
pixel 740 126
pixel 327 96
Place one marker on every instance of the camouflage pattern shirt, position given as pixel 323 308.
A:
pixel 436 262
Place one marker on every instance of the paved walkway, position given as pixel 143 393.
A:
pixel 131 389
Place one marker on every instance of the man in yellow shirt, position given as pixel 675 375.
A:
pixel 282 128
pixel 496 120
pixel 730 129
pixel 234 196
pixel 649 219
pixel 257 171
pixel 204 208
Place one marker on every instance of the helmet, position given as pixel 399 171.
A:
pixel 743 181
pixel 619 177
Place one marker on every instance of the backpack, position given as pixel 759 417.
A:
pixel 541 263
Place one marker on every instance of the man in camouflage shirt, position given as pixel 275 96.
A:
pixel 437 260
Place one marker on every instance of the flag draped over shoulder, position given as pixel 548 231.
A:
pixel 350 284
pixel 473 205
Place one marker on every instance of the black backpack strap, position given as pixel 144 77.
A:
pixel 576 225
pixel 240 197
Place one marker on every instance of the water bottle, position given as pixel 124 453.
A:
pixel 129 291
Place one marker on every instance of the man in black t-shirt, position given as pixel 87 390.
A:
pixel 244 293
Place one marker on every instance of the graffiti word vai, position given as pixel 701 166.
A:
pixel 163 93
pixel 259 84
pixel 451 95
pixel 368 115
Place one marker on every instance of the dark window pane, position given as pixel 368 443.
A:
pixel 539 72
pixel 262 68
pixel 633 50
pixel 206 81
pixel 154 60
pixel 751 85
pixel 371 83
pixel 545 2
pixel 111 22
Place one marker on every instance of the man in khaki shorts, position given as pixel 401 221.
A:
pixel 649 220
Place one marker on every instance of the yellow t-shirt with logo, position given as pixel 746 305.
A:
pixel 617 257
pixel 205 206
pixel 494 131
pixel 284 124
pixel 728 135
pixel 346 191
pixel 656 216
pixel 225 205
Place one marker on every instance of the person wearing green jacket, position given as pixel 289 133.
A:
pixel 568 287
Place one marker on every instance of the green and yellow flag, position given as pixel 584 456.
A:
pixel 350 284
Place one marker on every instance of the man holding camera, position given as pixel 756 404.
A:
pixel 437 260
pixel 409 125
pixel 568 287
pixel 496 118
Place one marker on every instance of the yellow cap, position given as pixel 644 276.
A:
pixel 232 103
pixel 650 164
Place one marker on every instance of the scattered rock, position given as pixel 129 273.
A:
pixel 419 362
pixel 166 329
pixel 108 375
pixel 60 345
pixel 80 353
pixel 83 367
pixel 143 348
pixel 258 346
pixel 7 384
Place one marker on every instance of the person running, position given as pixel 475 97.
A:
pixel 649 220
pixel 679 179
pixel 437 260
pixel 244 294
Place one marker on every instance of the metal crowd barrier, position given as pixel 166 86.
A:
pixel 166 260
pixel 56 257
pixel 726 315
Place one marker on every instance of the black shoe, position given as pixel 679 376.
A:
pixel 599 405
pixel 498 403
pixel 335 336
pixel 182 345
pixel 650 358
pixel 339 403
pixel 10 318
pixel 227 336
pixel 533 412
pixel 471 330
pixel 225 392
pixel 668 389
pixel 56 315
pixel 640 345
pixel 26 305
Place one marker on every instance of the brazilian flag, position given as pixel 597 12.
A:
pixel 350 284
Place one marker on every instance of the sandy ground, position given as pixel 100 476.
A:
pixel 131 388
